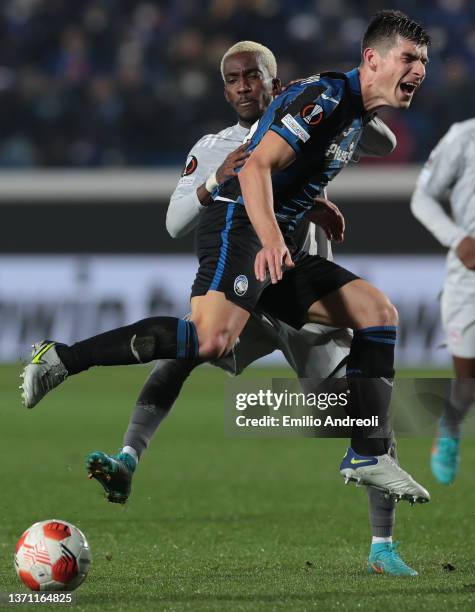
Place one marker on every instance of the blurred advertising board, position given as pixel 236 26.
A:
pixel 72 297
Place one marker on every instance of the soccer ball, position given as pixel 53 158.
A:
pixel 52 556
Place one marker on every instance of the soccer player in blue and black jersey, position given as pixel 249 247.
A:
pixel 304 139
pixel 248 259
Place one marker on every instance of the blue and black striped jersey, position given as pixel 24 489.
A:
pixel 322 119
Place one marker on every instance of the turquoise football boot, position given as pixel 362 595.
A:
pixel 445 458
pixel 113 472
pixel 384 559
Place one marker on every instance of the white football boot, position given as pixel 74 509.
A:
pixel 44 372
pixel 383 473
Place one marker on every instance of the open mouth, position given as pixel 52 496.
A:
pixel 409 87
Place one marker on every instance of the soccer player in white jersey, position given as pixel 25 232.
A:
pixel 449 174
pixel 315 352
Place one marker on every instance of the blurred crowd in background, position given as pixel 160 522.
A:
pixel 134 82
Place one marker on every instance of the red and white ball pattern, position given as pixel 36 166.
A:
pixel 52 556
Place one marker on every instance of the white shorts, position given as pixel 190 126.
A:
pixel 458 321
pixel 315 351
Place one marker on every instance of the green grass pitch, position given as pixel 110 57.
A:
pixel 219 523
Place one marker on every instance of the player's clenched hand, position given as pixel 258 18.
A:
pixel 328 216
pixel 271 258
pixel 466 252
pixel 234 160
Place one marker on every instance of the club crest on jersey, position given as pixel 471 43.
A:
pixel 312 114
pixel 190 166
pixel 240 284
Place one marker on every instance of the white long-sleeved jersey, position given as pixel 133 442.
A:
pixel 449 174
pixel 204 158
pixel 209 153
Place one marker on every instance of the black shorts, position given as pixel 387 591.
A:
pixel 227 246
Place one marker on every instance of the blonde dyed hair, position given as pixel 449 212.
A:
pixel 248 46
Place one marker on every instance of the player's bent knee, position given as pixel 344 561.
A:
pixel 386 314
pixel 390 314
pixel 380 312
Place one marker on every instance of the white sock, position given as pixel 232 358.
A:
pixel 377 540
pixel 132 452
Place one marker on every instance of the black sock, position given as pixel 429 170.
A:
pixel 144 341
pixel 382 511
pixel 156 400
pixel 370 376
pixel 460 399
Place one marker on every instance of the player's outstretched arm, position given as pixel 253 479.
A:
pixel 273 153
pixel 434 184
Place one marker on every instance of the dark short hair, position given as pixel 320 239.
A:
pixel 386 25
